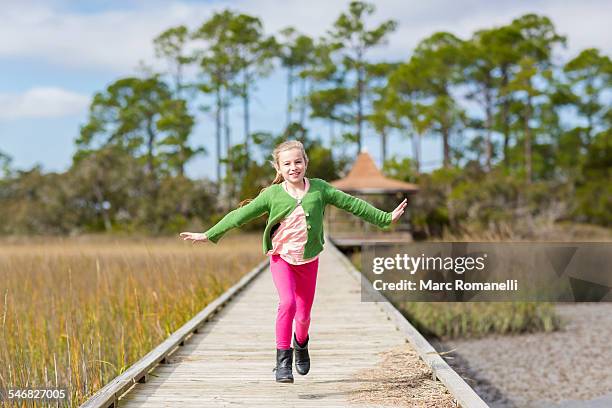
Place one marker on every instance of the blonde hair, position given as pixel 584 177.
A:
pixel 283 147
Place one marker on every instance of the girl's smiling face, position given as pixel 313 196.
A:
pixel 291 165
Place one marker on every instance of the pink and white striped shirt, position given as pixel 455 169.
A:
pixel 290 238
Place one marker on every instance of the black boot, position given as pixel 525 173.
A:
pixel 284 361
pixel 302 359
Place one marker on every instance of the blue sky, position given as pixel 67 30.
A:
pixel 61 52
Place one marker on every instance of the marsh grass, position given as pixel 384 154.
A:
pixel 477 319
pixel 77 312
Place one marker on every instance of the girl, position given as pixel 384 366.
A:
pixel 293 238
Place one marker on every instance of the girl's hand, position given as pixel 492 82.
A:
pixel 399 211
pixel 194 236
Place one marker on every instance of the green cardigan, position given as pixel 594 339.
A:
pixel 275 201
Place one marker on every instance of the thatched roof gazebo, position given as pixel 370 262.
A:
pixel 365 178
pixel 366 181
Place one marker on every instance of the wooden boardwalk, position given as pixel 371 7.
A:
pixel 229 361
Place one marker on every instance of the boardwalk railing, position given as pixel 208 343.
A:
pixel 108 395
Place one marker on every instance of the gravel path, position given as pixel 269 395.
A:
pixel 568 368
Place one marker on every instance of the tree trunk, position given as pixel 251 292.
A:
pixel 445 142
pixel 505 111
pixel 589 129
pixel 218 134
pixel 488 126
pixel 303 102
pixel 152 185
pixel 289 93
pixel 178 80
pixel 359 105
pixel 384 146
pixel 181 165
pixel 593 101
pixel 416 146
pixel 229 167
pixel 150 147
pixel 528 151
pixel 247 130
pixel 100 198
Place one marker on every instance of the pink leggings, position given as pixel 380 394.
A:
pixel 296 288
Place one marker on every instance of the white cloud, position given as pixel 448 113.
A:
pixel 42 102
pixel 108 40
pixel 585 23
pixel 117 38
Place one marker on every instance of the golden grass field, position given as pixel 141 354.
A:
pixel 76 312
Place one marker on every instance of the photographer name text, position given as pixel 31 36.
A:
pixel 430 285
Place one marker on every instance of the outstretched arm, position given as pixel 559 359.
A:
pixel 233 219
pixel 362 208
